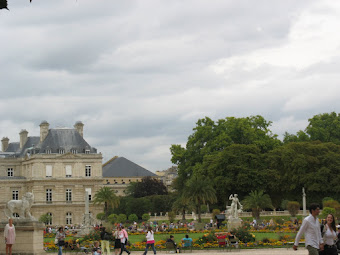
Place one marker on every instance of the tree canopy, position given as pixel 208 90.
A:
pixel 242 154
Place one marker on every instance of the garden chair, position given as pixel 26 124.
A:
pixel 170 247
pixel 222 242
pixel 234 242
pixel 186 245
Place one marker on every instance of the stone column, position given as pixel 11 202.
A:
pixel 304 202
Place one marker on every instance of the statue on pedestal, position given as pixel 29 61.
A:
pixel 234 222
pixel 21 207
pixel 234 204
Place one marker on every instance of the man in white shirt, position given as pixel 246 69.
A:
pixel 311 228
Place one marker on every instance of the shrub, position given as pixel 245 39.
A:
pixel 333 204
pixel 211 237
pixel 94 236
pixel 284 204
pixel 172 216
pixel 293 207
pixel 279 221
pixel 133 217
pixel 146 217
pixel 243 235
pixel 121 218
pixel 215 212
pixel 326 211
pixel 100 216
pixel 112 218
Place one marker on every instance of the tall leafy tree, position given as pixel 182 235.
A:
pixel 325 127
pixel 182 205
pixel 147 187
pixel 199 191
pixel 106 196
pixel 257 201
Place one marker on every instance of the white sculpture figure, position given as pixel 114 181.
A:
pixel 233 208
pixel 21 207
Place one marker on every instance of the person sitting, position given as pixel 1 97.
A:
pixel 96 249
pixel 171 240
pixel 186 241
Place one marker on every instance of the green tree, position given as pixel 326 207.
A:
pixel 100 216
pixel 326 211
pixel 112 218
pixel 182 205
pixel 199 191
pixel 257 201
pixel 147 187
pixel 171 216
pixel 293 208
pixel 133 217
pixel 45 218
pixel 325 127
pixel 121 218
pixel 106 196
pixel 333 204
pixel 145 217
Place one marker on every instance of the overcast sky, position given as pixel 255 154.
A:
pixel 139 74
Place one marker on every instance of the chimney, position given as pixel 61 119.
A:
pixel 4 144
pixel 79 126
pixel 43 130
pixel 23 137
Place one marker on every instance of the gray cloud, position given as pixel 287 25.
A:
pixel 139 74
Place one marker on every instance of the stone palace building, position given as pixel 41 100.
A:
pixel 57 167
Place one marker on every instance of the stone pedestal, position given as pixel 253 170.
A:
pixel 234 223
pixel 29 238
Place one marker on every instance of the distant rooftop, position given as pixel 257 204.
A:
pixel 122 167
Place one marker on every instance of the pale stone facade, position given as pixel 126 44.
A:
pixel 57 170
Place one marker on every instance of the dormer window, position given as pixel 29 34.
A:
pixel 74 151
pixel 87 151
pixel 48 151
pixel 61 151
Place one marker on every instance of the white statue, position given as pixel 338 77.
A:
pixel 21 207
pixel 234 204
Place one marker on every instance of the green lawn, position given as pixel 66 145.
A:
pixel 158 237
pixel 178 237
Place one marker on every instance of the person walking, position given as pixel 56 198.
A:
pixel 150 241
pixel 61 239
pixel 329 235
pixel 124 241
pixel 311 228
pixel 105 241
pixel 117 236
pixel 9 235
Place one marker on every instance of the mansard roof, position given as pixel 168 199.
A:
pixel 122 167
pixel 66 139
pixel 57 139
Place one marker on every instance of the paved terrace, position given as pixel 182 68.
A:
pixel 275 251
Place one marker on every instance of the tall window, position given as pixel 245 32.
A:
pixel 89 190
pixel 10 172
pixel 49 195
pixel 68 218
pixel 50 219
pixel 68 169
pixel 88 170
pixel 68 195
pixel 48 171
pixel 15 194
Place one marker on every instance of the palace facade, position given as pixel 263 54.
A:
pixel 57 167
